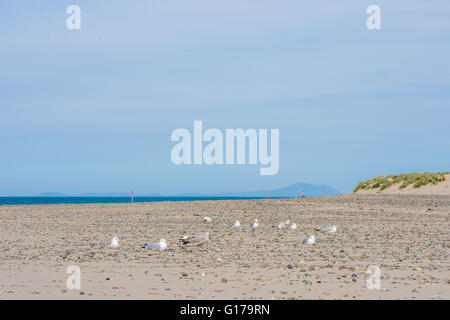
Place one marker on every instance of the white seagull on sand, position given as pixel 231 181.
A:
pixel 281 225
pixel 114 243
pixel 207 219
pixel 309 240
pixel 195 240
pixel 236 224
pixel 293 226
pixel 161 245
pixel 254 224
pixel 330 229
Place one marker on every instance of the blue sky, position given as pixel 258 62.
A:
pixel 92 110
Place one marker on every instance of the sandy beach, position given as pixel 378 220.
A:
pixel 406 236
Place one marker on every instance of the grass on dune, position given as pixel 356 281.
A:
pixel 405 179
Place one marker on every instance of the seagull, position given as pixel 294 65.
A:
pixel 281 225
pixel 114 243
pixel 161 245
pixel 330 229
pixel 309 240
pixel 287 222
pixel 236 224
pixel 293 226
pixel 254 224
pixel 207 219
pixel 195 240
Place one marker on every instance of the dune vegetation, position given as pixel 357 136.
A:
pixel 415 179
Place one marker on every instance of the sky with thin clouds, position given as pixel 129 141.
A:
pixel 92 110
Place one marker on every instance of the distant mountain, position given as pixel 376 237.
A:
pixel 293 190
pixel 109 194
pixel 52 194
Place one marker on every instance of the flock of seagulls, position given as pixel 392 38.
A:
pixel 287 224
pixel 202 239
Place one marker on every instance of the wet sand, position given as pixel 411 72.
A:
pixel 406 236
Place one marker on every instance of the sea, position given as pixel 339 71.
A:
pixel 108 199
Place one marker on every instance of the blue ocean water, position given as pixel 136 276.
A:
pixel 93 199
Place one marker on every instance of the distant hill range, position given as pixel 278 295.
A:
pixel 109 194
pixel 94 194
pixel 52 194
pixel 293 190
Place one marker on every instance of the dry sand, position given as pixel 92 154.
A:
pixel 407 236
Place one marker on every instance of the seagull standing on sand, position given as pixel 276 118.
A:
pixel 161 245
pixel 309 240
pixel 254 224
pixel 330 229
pixel 195 240
pixel 114 243
pixel 287 222
pixel 293 226
pixel 207 219
pixel 236 224
pixel 281 225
